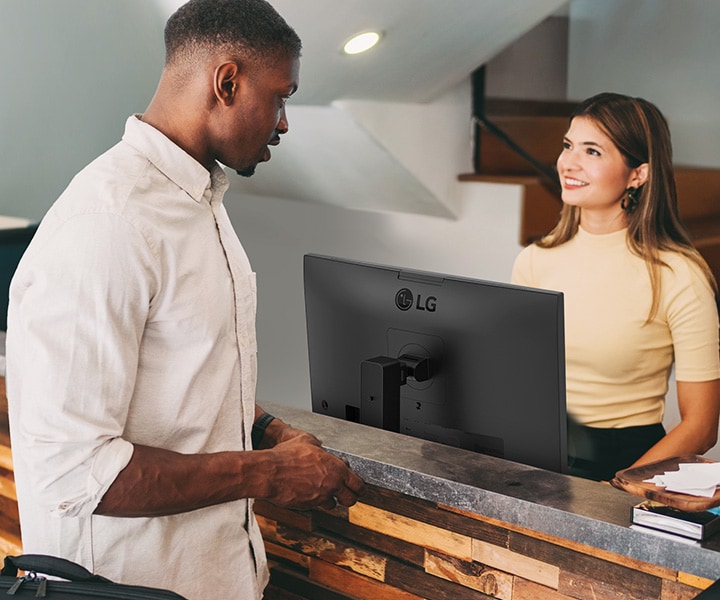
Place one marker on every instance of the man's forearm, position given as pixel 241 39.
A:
pixel 160 482
pixel 296 472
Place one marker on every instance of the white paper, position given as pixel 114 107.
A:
pixel 695 479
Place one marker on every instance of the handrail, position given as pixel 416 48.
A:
pixel 479 119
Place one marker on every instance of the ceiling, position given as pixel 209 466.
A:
pixel 428 47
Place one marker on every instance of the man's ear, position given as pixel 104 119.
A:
pixel 226 82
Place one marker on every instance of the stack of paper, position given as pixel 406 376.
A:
pixel 696 479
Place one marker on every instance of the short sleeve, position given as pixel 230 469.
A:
pixel 522 268
pixel 692 316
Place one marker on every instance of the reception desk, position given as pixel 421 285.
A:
pixel 439 522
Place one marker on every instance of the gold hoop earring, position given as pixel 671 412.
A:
pixel 630 200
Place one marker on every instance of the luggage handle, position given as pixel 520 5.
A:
pixel 49 565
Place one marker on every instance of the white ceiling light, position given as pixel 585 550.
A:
pixel 361 42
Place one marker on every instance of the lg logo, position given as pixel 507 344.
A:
pixel 405 299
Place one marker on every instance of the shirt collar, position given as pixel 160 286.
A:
pixel 176 164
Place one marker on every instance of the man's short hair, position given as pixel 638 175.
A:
pixel 251 27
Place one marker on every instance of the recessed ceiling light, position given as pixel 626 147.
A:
pixel 361 42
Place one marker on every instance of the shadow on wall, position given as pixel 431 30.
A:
pixel 72 72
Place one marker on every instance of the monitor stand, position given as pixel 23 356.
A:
pixel 380 381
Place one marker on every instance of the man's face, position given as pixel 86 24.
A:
pixel 257 117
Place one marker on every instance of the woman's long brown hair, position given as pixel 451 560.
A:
pixel 640 132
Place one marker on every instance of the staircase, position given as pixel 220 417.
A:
pixel 537 128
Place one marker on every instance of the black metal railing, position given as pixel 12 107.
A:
pixel 548 174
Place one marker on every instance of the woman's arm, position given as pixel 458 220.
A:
pixel 697 432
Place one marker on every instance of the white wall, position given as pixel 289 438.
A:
pixel 481 243
pixel 70 72
pixel 663 50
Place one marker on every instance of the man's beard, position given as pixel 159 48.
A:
pixel 246 172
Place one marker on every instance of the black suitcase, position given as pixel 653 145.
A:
pixel 713 592
pixel 81 584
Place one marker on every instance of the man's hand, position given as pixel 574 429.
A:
pixel 302 475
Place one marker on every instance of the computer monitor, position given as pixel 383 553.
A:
pixel 469 363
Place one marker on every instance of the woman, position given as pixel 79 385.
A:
pixel 638 296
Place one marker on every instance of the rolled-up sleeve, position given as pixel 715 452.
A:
pixel 78 313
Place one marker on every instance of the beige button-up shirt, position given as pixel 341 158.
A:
pixel 132 321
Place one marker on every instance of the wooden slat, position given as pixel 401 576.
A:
pixel 472 575
pixel 7 485
pixel 4 426
pixel 673 590
pixel 427 512
pixel 580 585
pixel 293 518
pixel 333 550
pixel 273 592
pixel 10 545
pixel 285 554
pixel 284 579
pixel 428 586
pixel 5 457
pixel 527 590
pixel 410 530
pixel 662 572
pixel 520 564
pixel 694 580
pixel 587 571
pixel 384 543
pixel 360 587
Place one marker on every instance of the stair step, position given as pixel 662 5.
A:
pixel 698 192
pixel 705 229
pixel 498 107
pixel 541 137
pixel 502 178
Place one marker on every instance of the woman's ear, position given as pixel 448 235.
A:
pixel 226 82
pixel 639 175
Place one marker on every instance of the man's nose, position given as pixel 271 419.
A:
pixel 283 125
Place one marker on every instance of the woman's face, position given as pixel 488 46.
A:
pixel 593 173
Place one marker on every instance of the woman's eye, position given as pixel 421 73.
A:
pixel 593 152
pixel 566 145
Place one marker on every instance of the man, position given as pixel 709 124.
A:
pixel 131 339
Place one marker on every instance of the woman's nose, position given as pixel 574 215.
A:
pixel 566 160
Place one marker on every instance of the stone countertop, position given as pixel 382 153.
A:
pixel 582 511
